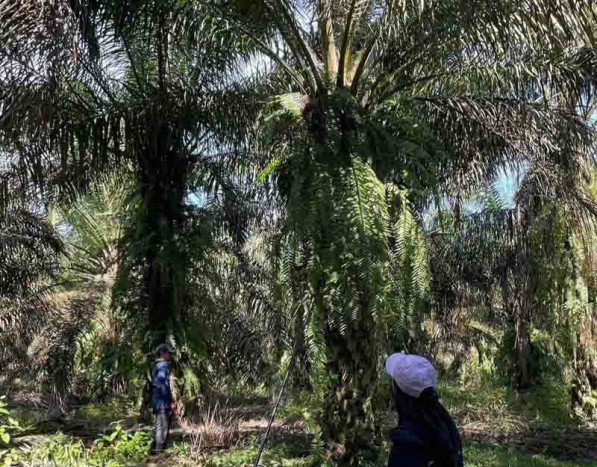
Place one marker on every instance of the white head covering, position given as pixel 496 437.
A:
pixel 412 373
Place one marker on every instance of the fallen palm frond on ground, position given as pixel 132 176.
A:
pixel 218 428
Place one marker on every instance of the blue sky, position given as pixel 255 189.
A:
pixel 507 184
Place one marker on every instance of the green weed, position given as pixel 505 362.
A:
pixel 115 408
pixel 477 455
pixel 547 405
pixel 8 424
pixel 117 448
pixel 122 445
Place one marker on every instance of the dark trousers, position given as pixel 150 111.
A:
pixel 162 427
pixel 406 458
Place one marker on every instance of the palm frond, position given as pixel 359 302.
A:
pixel 29 252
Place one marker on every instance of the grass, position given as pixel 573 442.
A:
pixel 484 408
pixel 477 455
pixel 499 408
pixel 115 408
pixel 219 426
pixel 65 452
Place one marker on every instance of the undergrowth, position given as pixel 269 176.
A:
pixel 488 405
pixel 116 448
pixel 475 456
pixel 113 409
pixel 294 443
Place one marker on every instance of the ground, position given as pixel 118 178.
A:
pixel 501 428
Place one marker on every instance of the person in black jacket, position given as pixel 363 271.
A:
pixel 426 434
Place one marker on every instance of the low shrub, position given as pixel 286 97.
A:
pixel 8 426
pixel 117 448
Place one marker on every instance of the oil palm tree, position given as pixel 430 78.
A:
pixel 97 339
pixel 61 269
pixel 375 97
pixel 30 253
pixel 92 89
pixel 524 253
pixel 433 97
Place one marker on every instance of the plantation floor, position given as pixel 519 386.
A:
pixel 500 429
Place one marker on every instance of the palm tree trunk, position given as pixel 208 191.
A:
pixel 347 418
pixel 302 367
pixel 521 354
pixel 351 346
pixel 514 305
pixel 162 181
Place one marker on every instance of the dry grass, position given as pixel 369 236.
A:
pixel 219 427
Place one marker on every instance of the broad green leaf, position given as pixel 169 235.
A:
pixel 271 166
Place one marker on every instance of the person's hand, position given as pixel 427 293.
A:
pixel 174 406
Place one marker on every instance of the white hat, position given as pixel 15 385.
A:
pixel 412 373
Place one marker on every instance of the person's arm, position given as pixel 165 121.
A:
pixel 173 402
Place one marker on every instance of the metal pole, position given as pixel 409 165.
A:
pixel 273 416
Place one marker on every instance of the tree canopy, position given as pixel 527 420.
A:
pixel 275 181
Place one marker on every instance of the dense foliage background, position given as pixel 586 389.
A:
pixel 297 187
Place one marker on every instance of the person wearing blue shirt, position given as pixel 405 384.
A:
pixel 161 401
